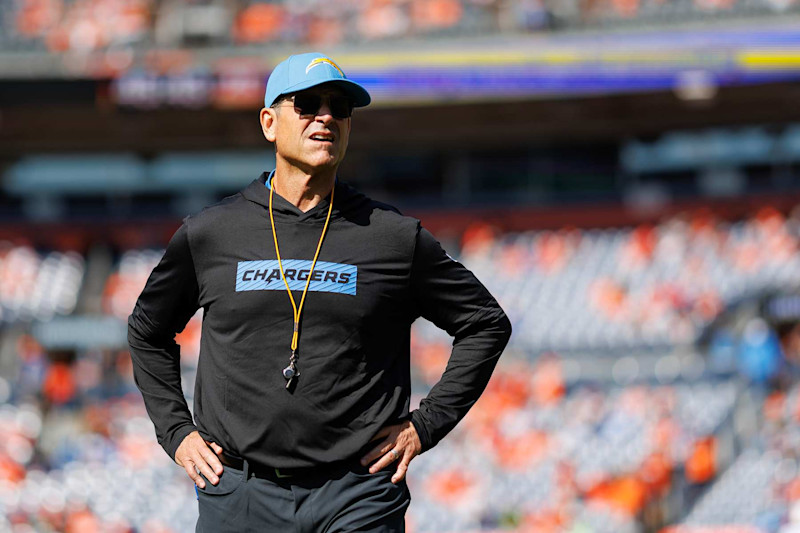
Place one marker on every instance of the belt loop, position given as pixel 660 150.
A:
pixel 245 469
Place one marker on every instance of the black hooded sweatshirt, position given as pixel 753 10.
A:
pixel 377 272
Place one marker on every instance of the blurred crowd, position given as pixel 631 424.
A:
pixel 625 288
pixel 762 486
pixel 37 286
pixel 578 436
pixel 85 25
pixel 540 454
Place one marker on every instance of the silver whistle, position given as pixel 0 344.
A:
pixel 290 372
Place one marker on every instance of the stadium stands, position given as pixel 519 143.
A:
pixel 572 290
pixel 37 286
pixel 549 447
pixel 83 25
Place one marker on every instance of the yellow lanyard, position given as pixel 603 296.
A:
pixel 291 372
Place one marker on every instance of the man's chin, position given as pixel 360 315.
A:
pixel 325 162
pixel 321 167
pixel 317 163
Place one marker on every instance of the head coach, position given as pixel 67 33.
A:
pixel 308 288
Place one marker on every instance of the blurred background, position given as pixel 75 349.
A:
pixel 624 175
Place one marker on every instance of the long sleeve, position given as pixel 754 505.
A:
pixel 450 296
pixel 166 304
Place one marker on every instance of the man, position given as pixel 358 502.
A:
pixel 309 288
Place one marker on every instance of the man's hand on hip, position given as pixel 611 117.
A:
pixel 195 454
pixel 400 442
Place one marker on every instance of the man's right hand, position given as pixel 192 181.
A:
pixel 194 454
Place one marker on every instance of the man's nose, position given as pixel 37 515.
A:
pixel 324 112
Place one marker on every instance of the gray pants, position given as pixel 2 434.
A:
pixel 349 500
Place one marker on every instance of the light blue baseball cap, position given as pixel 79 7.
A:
pixel 303 71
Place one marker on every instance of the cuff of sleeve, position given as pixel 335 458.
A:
pixel 419 425
pixel 177 437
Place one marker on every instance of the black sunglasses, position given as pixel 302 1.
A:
pixel 310 103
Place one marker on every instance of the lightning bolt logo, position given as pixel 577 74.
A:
pixel 320 61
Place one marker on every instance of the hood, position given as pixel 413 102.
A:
pixel 347 202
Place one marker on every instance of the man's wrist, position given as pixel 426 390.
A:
pixel 422 433
pixel 177 438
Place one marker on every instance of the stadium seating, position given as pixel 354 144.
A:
pixel 646 287
pixel 81 25
pixel 549 446
pixel 37 285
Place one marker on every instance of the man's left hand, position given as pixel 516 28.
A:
pixel 401 443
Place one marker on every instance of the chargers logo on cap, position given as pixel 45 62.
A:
pixel 320 61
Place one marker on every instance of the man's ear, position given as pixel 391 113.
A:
pixel 268 117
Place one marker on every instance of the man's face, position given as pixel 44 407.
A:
pixel 309 139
